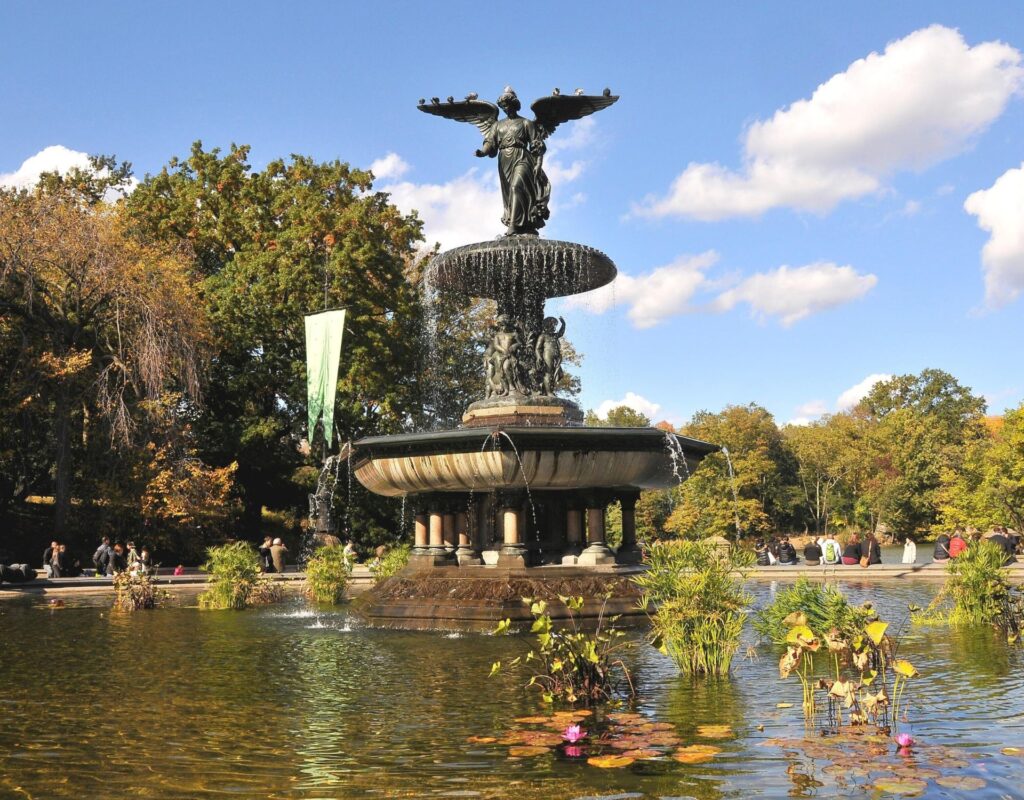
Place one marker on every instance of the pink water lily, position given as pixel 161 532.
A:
pixel 905 740
pixel 573 734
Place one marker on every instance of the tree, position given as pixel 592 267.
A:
pixel 107 320
pixel 754 499
pixel 618 417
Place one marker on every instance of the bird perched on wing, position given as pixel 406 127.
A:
pixel 451 99
pixel 556 91
pixel 607 92
pixel 578 92
pixel 472 96
pixel 422 101
pixel 435 100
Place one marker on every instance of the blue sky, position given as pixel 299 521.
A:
pixel 782 186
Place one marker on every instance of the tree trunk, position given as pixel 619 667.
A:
pixel 64 468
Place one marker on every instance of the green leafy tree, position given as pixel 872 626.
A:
pixel 618 417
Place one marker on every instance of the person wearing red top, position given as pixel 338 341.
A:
pixel 957 544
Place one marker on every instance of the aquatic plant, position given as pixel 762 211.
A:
pixel 394 561
pixel 571 665
pixel 573 734
pixel 236 580
pixel 864 663
pixel 327 574
pixel 822 604
pixel 977 592
pixel 693 593
pixel 135 591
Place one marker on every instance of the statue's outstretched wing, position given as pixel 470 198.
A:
pixel 479 112
pixel 553 110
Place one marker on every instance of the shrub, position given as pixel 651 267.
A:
pixel 977 592
pixel 570 665
pixel 236 580
pixel 134 591
pixel 327 574
pixel 393 562
pixel 693 591
pixel 825 607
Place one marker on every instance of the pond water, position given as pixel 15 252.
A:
pixel 289 702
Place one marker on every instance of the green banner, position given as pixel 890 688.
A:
pixel 323 352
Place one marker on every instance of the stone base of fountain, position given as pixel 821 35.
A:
pixel 478 598
pixel 519 410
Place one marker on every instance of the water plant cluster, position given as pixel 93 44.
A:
pixel 135 591
pixel 977 593
pixel 823 605
pixel 236 580
pixel 327 574
pixel 391 563
pixel 693 592
pixel 571 665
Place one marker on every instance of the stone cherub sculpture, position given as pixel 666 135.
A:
pixel 548 351
pixel 519 145
pixel 503 360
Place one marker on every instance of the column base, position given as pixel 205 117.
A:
pixel 467 557
pixel 629 554
pixel 596 555
pixel 513 556
pixel 428 560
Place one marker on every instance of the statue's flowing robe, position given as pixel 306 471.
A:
pixel 524 186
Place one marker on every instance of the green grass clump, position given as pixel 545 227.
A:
pixel 695 597
pixel 394 561
pixel 327 574
pixel 236 580
pixel 825 607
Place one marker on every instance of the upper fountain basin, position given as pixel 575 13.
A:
pixel 485 459
pixel 521 266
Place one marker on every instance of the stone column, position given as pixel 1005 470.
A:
pixel 597 551
pixel 421 539
pixel 513 552
pixel 573 532
pixel 448 531
pixel 467 554
pixel 437 535
pixel 629 552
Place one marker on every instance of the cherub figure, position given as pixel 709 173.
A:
pixel 548 352
pixel 502 360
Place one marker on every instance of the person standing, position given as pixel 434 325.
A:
pixel 266 561
pixel 101 558
pixel 277 555
pixel 910 551
pixel 49 554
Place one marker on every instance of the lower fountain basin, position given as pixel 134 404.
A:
pixel 489 458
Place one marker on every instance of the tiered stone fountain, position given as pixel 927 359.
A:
pixel 517 497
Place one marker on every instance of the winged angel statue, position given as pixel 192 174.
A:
pixel 519 145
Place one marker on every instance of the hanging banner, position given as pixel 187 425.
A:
pixel 323 352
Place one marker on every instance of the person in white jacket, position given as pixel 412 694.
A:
pixel 909 551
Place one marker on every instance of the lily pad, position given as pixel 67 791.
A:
pixel 525 751
pixel 960 782
pixel 481 739
pixel 532 720
pixel 643 752
pixel 1013 751
pixel 715 731
pixel 903 786
pixel 696 753
pixel 610 762
pixel 783 705
pixel 541 739
pixel 626 717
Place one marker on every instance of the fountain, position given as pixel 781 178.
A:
pixel 516 498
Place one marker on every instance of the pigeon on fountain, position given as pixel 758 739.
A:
pixel 578 92
pixel 435 100
pixel 556 91
pixel 451 99
pixel 472 96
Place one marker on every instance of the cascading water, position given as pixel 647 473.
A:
pixel 735 495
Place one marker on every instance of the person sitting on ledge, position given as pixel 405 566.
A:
pixel 812 554
pixel 941 553
pixel 871 549
pixel 851 553
pixel 761 549
pixel 832 553
pixel 957 544
pixel 787 553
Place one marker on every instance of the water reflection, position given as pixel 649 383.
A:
pixel 296 703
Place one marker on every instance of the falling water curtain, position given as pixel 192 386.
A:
pixel 323 352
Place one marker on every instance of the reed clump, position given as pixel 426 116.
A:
pixel 236 580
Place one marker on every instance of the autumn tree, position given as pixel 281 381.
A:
pixel 106 320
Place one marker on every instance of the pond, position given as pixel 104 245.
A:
pixel 290 702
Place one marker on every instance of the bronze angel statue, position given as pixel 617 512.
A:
pixel 519 145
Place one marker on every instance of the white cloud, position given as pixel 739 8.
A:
pixel 655 296
pixel 464 210
pixel 389 167
pixel 924 99
pixel 857 392
pixel 1000 211
pixel 792 293
pixel 911 208
pixel 814 408
pixel 634 401
pixel 55 158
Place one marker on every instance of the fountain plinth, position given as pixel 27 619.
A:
pixel 517 497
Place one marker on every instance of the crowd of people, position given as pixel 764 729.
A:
pixel 865 550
